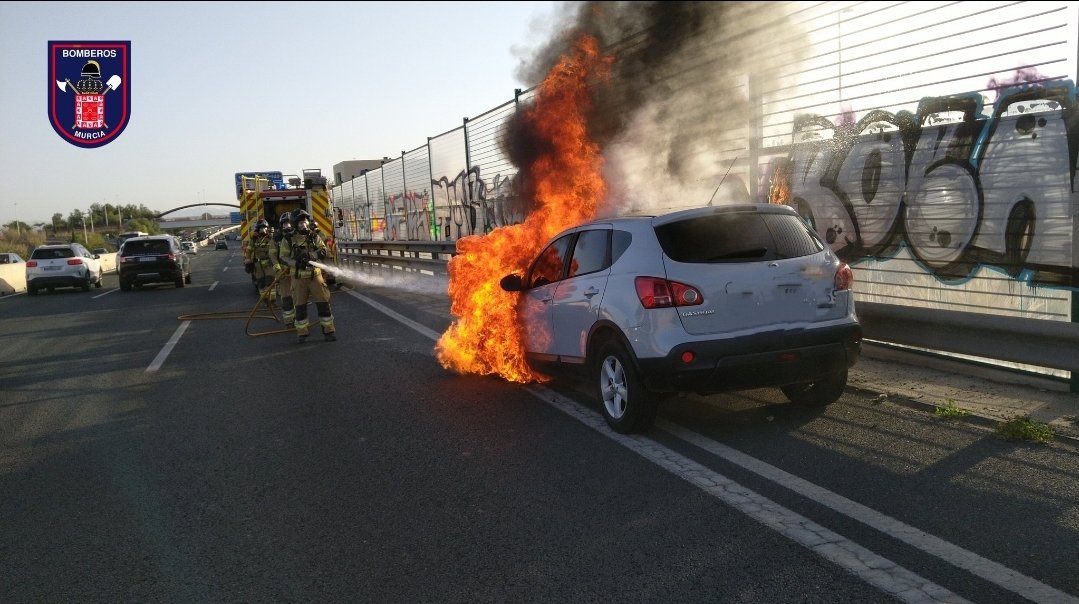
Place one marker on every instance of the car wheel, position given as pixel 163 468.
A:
pixel 31 291
pixel 125 286
pixel 179 281
pixel 187 279
pixel 820 393
pixel 86 282
pixel 626 404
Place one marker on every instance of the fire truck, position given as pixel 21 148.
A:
pixel 268 195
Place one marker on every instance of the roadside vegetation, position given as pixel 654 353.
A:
pixel 1024 428
pixel 96 228
pixel 950 410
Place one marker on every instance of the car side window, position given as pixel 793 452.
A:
pixel 547 268
pixel 590 253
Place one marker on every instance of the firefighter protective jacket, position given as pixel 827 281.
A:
pixel 300 250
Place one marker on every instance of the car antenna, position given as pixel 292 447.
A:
pixel 722 179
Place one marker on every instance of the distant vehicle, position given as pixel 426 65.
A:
pixel 153 259
pixel 221 245
pixel 10 258
pixel 64 265
pixel 189 247
pixel 702 301
pixel 122 237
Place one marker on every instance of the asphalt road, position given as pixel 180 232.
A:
pixel 155 447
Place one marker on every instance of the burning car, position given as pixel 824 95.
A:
pixel 704 300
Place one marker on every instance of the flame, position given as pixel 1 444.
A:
pixel 779 193
pixel 486 337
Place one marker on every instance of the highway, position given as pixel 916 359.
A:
pixel 156 445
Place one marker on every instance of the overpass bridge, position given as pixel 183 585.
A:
pixel 193 223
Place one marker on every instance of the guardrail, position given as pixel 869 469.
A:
pixel 1034 342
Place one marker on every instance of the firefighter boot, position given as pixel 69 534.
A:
pixel 289 312
pixel 302 325
pixel 325 320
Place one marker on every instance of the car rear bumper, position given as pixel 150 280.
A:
pixel 56 281
pixel 769 359
pixel 151 274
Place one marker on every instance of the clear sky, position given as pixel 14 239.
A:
pixel 225 87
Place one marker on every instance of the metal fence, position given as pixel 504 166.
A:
pixel 932 145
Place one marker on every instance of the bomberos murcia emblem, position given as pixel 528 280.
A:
pixel 89 91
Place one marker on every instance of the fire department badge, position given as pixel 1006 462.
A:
pixel 89 91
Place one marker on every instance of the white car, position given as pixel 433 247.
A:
pixel 63 265
pixel 189 247
pixel 10 258
pixel 705 300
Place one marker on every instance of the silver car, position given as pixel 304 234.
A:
pixel 704 300
pixel 62 265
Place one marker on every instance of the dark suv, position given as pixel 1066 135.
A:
pixel 152 259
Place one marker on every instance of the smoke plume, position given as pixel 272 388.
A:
pixel 677 115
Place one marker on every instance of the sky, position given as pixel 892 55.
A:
pixel 225 87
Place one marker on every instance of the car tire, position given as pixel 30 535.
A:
pixel 187 279
pixel 86 282
pixel 125 286
pixel 819 393
pixel 179 281
pixel 31 291
pixel 626 404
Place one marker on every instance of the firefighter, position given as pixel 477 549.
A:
pixel 257 259
pixel 308 282
pixel 281 269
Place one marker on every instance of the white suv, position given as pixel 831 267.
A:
pixel 704 300
pixel 62 265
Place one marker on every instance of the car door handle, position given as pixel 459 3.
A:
pixel 590 292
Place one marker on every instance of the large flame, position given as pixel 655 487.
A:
pixel 486 337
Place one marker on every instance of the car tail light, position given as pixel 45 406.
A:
pixel 74 261
pixel 844 277
pixel 31 263
pixel 655 292
pixel 172 256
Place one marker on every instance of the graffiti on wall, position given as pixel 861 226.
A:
pixel 958 188
pixel 469 205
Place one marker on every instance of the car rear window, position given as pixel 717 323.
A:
pixel 50 254
pixel 132 247
pixel 737 237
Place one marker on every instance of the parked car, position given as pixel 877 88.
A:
pixel 152 259
pixel 703 301
pixel 221 244
pixel 189 247
pixel 62 265
pixel 10 258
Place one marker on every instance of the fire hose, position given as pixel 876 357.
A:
pixel 250 315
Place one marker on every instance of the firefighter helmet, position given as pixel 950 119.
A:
pixel 92 69
pixel 301 220
pixel 262 227
pixel 284 223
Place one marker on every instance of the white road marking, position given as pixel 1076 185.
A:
pixel 104 293
pixel 875 570
pixel 212 286
pixel 164 354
